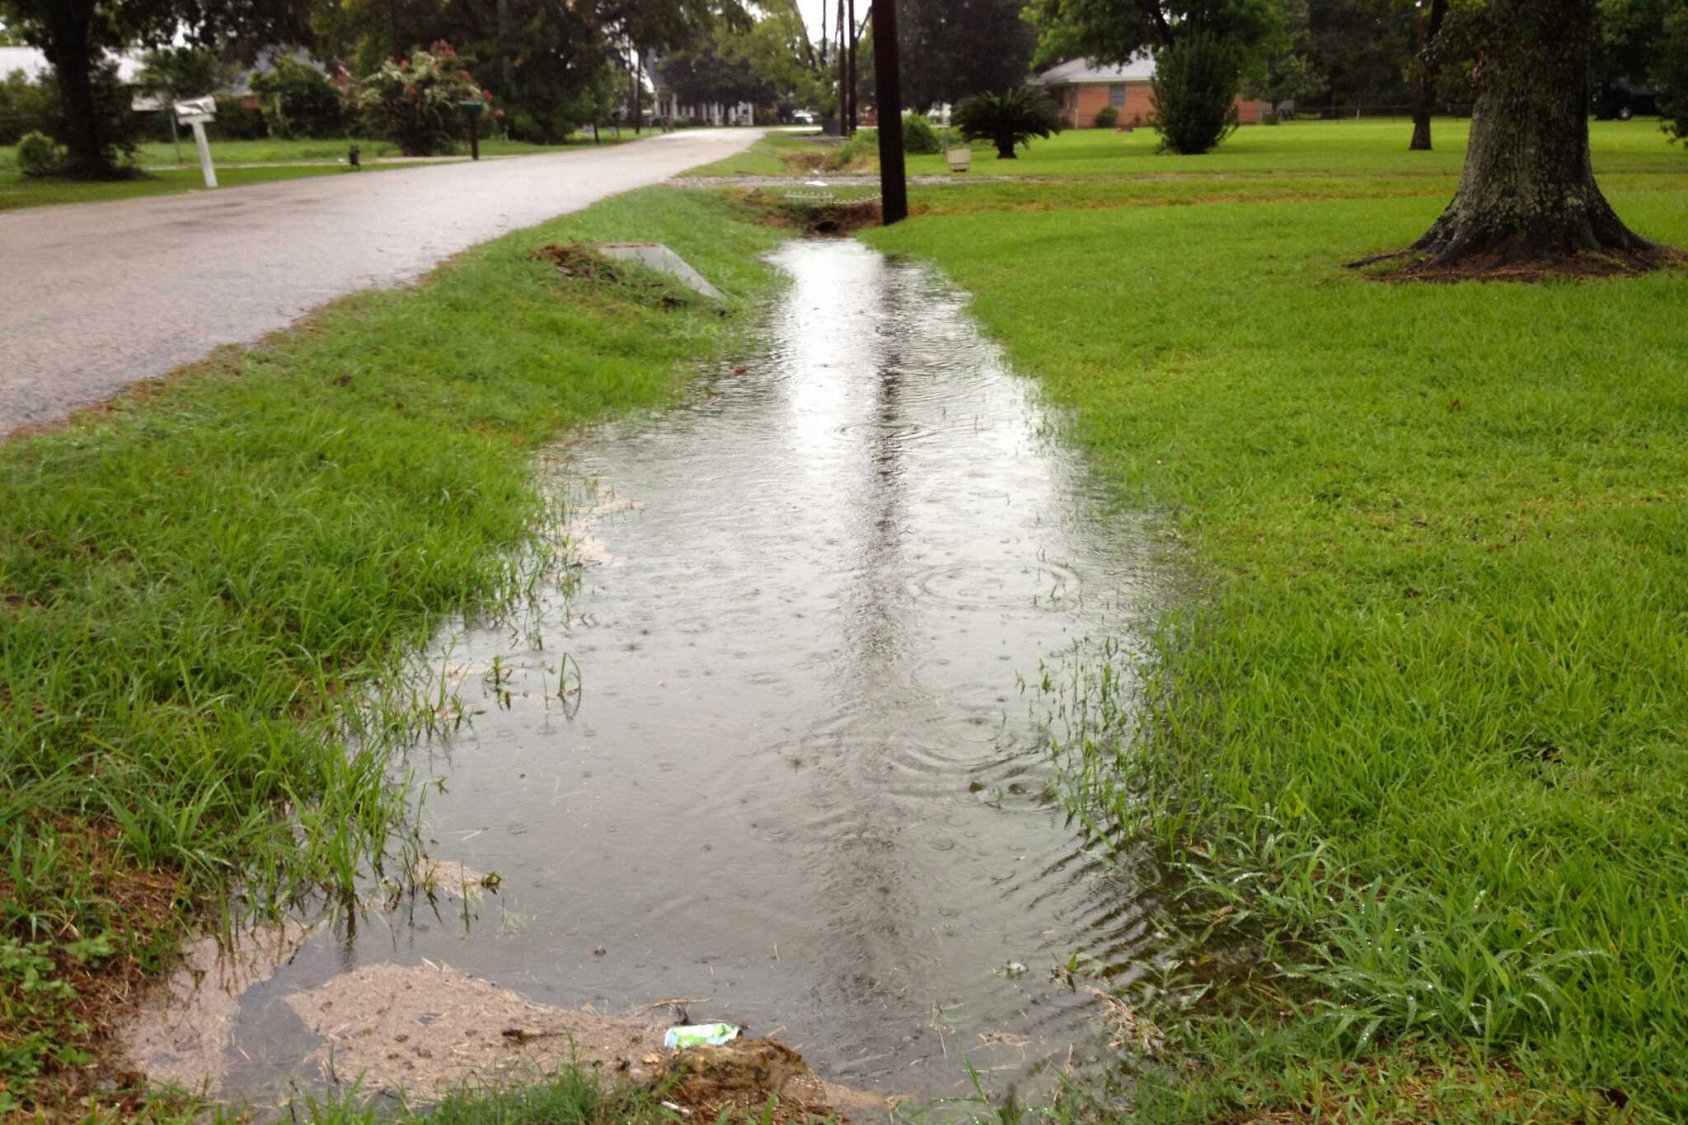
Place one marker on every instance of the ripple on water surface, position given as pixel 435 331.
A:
pixel 801 780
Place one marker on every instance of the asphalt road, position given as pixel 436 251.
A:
pixel 99 295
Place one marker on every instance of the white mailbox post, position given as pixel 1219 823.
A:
pixel 196 112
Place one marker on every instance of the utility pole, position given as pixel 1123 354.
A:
pixel 893 188
pixel 843 76
pixel 855 102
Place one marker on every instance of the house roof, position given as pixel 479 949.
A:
pixel 1080 71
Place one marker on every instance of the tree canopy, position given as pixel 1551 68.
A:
pixel 952 49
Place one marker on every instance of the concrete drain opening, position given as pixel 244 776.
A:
pixel 659 257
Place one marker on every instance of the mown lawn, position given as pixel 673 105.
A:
pixel 208 589
pixel 772 155
pixel 1420 731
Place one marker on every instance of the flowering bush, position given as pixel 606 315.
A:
pixel 417 102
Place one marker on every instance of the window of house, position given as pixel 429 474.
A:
pixel 1116 96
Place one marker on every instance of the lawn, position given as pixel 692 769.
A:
pixel 1417 737
pixel 773 154
pixel 209 587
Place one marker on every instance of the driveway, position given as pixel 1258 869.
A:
pixel 99 295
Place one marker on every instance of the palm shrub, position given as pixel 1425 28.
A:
pixel 1196 83
pixel 1008 119
pixel 417 102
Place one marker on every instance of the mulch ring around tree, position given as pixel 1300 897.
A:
pixel 1411 266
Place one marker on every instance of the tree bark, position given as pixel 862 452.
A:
pixel 70 48
pixel 1428 71
pixel 1528 190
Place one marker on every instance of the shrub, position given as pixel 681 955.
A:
pixel 1106 116
pixel 1196 83
pixel 25 106
pixel 238 121
pixel 1008 119
pixel 298 101
pixel 919 138
pixel 416 102
pixel 38 155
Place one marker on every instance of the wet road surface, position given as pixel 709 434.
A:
pixel 99 295
pixel 791 775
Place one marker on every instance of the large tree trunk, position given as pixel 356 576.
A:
pixel 1528 190
pixel 70 48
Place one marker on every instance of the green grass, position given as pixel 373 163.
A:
pixel 766 157
pixel 1324 148
pixel 1420 729
pixel 208 589
pixel 17 193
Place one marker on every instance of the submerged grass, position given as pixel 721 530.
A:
pixel 1422 739
pixel 203 585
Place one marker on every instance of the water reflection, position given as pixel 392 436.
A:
pixel 801 788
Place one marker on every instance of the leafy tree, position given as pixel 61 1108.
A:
pixel 418 101
pixel 1195 88
pixel 1115 31
pixel 778 50
pixel 1236 35
pixel 298 100
pixel 715 71
pixel 26 106
pixel 174 73
pixel 1008 119
pixel 954 48
pixel 1528 190
pixel 73 33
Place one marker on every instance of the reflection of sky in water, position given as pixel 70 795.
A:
pixel 802 782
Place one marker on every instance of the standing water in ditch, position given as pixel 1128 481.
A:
pixel 799 785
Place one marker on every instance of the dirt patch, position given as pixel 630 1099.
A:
pixel 1409 266
pixel 426 1030
pixel 131 915
pixel 812 212
pixel 183 1031
pixel 750 1078
pixel 576 259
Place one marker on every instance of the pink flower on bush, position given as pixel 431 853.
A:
pixel 486 95
pixel 404 64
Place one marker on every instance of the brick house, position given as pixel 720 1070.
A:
pixel 1081 91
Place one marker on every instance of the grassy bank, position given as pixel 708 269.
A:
pixel 1422 736
pixel 204 584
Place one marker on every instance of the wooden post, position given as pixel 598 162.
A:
pixel 893 188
